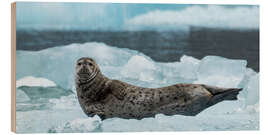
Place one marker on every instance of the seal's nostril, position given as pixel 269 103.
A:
pixel 84 70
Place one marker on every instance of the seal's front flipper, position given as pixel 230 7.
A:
pixel 101 115
pixel 220 94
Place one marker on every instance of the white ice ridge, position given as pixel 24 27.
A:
pixel 34 81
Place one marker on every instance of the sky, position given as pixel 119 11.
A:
pixel 113 16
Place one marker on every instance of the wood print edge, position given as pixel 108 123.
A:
pixel 13 67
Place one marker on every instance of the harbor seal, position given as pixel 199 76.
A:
pixel 99 95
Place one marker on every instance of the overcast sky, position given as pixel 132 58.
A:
pixel 109 16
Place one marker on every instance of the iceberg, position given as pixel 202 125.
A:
pixel 138 67
pixel 252 89
pixel 189 67
pixel 34 93
pixel 57 63
pixel 46 92
pixel 37 92
pixel 33 81
pixel 21 96
pixel 222 72
pixel 36 88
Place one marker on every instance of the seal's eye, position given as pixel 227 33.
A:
pixel 90 64
pixel 79 64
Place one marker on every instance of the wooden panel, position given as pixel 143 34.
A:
pixel 13 67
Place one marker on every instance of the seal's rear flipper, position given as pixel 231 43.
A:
pixel 232 94
pixel 220 94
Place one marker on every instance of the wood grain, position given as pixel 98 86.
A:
pixel 13 67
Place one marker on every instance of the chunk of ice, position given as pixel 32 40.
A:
pixel 252 89
pixel 222 72
pixel 57 63
pixel 34 81
pixel 36 92
pixel 81 125
pixel 21 96
pixel 139 67
pixel 188 67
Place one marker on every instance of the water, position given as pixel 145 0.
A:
pixel 47 102
pixel 165 46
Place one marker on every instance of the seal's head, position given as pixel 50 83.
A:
pixel 86 69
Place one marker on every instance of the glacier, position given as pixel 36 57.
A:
pixel 46 95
